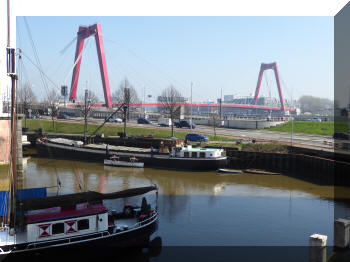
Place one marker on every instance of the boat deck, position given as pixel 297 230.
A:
pixel 69 142
pixel 5 238
pixel 125 222
pixel 119 148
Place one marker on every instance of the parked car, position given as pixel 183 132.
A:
pixel 63 116
pixel 143 121
pixel 32 116
pixel 315 119
pixel 114 120
pixel 118 120
pixel 196 138
pixel 184 123
pixel 340 135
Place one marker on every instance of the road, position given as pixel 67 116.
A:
pixel 304 140
pixel 310 141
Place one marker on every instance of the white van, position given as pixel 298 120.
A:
pixel 164 121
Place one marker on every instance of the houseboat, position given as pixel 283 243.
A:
pixel 80 220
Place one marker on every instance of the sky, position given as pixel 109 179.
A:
pixel 216 54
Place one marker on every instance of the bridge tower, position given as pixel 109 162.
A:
pixel 85 32
pixel 264 67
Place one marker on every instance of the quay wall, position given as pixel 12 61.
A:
pixel 309 168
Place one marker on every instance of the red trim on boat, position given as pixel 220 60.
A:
pixel 67 212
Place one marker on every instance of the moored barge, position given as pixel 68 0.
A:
pixel 179 158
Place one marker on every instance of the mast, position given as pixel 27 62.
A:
pixel 11 71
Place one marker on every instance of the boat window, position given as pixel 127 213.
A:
pixel 194 154
pixel 186 154
pixel 83 224
pixel 57 228
pixel 202 154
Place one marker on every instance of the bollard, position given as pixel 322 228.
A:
pixel 341 233
pixel 317 248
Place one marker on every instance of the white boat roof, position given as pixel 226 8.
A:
pixel 199 149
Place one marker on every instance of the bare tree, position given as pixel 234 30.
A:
pixel 126 93
pixel 171 100
pixel 92 98
pixel 26 97
pixel 215 117
pixel 52 100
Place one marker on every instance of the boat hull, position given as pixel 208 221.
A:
pixel 70 152
pixel 99 242
pixel 230 171
pixel 197 164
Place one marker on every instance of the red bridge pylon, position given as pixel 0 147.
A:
pixel 264 67
pixel 85 32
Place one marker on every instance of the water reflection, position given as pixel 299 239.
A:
pixel 81 176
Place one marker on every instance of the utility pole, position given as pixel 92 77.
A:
pixel 125 108
pixel 191 107
pixel 291 136
pixel 126 105
pixel 144 101
pixel 85 114
pixel 221 106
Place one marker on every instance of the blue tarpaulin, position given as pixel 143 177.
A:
pixel 21 194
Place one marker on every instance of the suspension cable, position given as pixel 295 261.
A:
pixel 36 55
pixel 42 72
pixel 168 76
pixel 77 60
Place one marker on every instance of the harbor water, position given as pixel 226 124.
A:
pixel 204 208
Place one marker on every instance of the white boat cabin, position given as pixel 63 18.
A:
pixel 54 223
pixel 190 152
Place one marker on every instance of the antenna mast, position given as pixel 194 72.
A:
pixel 11 72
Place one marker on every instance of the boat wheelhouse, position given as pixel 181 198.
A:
pixel 196 152
pixel 191 158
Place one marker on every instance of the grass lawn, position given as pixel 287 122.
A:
pixel 109 130
pixel 307 127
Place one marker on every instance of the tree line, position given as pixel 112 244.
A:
pixel 314 104
pixel 170 98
